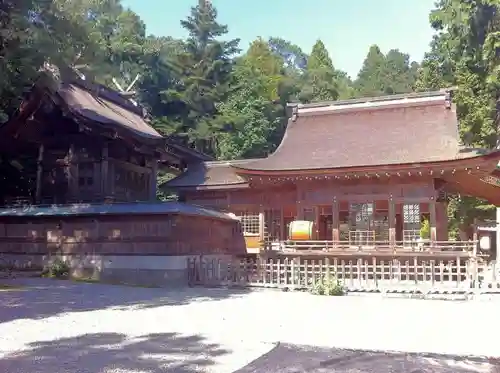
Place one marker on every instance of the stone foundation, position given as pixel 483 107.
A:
pixel 133 270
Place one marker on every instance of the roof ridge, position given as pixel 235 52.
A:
pixel 100 91
pixel 376 99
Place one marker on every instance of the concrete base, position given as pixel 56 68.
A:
pixel 134 270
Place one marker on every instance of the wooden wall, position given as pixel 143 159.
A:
pixel 172 234
pixel 316 193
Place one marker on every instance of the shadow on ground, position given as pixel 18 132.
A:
pixel 286 358
pixel 41 298
pixel 112 352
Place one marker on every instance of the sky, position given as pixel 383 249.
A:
pixel 347 27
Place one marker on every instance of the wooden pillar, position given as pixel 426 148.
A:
pixel 283 231
pixel 104 171
pixel 441 221
pixel 335 222
pixel 299 204
pixel 316 212
pixel 39 174
pixel 72 174
pixel 432 221
pixel 497 235
pixel 152 181
pixel 392 222
pixel 262 228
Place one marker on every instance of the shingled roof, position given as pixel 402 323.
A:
pixel 102 105
pixel 97 107
pixel 207 175
pixel 403 129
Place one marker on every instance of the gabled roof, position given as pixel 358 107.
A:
pixel 393 130
pixel 207 175
pixel 99 107
pixel 106 107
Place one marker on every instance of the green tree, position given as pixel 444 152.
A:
pixel 207 66
pixel 369 81
pixel 388 74
pixel 397 75
pixel 464 55
pixel 320 76
pixel 253 111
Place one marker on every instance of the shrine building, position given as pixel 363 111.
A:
pixel 366 172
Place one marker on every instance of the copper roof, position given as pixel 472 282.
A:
pixel 358 133
pixel 204 175
pixel 107 108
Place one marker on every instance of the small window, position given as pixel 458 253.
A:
pixel 250 223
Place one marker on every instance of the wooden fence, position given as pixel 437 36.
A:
pixel 356 276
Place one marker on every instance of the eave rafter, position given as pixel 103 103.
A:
pixel 381 175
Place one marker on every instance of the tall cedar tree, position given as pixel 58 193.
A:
pixel 252 110
pixel 320 76
pixel 207 65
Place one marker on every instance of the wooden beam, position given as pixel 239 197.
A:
pixel 131 167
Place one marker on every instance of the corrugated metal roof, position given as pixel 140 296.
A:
pixel 111 209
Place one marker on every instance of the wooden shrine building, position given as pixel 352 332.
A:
pixel 369 173
pixel 76 141
pixel 79 167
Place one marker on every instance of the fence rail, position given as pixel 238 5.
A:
pixel 438 247
pixel 360 275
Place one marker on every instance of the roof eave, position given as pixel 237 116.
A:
pixel 493 155
pixel 205 187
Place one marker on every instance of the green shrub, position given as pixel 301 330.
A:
pixel 328 285
pixel 57 269
pixel 425 229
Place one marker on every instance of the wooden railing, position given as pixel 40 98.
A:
pixel 362 237
pixel 424 276
pixel 462 248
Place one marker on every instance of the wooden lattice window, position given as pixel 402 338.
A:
pixel 250 223
pixel 411 221
pixel 411 214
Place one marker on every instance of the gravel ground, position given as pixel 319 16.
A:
pixel 59 326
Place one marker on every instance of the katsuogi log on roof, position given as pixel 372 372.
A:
pixel 393 130
pixel 95 108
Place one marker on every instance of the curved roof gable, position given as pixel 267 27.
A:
pixel 394 130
